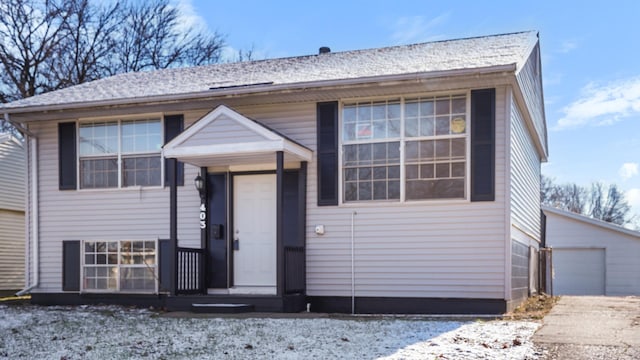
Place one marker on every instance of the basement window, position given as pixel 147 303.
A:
pixel 119 266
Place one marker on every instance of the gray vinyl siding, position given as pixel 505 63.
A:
pixel 418 249
pixel 12 174
pixel 530 81
pixel 525 180
pixel 427 249
pixel 226 131
pixel 622 268
pixel 12 214
pixel 115 214
pixel 11 250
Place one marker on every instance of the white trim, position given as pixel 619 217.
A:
pixel 119 265
pixel 119 153
pixel 592 221
pixel 212 116
pixel 402 140
pixel 248 148
pixel 508 225
pixel 34 217
pixel 273 142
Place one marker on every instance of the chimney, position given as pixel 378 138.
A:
pixel 324 50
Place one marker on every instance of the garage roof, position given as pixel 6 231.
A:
pixel 592 221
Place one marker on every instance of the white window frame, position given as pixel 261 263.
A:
pixel 120 153
pixel 402 140
pixel 119 266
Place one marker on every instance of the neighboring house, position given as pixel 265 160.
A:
pixel 12 202
pixel 393 180
pixel 590 256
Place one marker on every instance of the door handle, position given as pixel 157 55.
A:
pixel 236 244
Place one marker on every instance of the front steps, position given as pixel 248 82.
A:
pixel 222 308
pixel 218 303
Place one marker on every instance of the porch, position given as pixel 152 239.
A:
pixel 191 293
pixel 252 219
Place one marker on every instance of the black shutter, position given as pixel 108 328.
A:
pixel 67 156
pixel 173 125
pixel 71 265
pixel 328 166
pixel 164 265
pixel 483 144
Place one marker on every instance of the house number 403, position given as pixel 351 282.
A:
pixel 203 216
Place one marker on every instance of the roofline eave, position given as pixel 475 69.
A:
pixel 263 88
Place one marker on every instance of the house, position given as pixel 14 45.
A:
pixel 590 256
pixel 392 180
pixel 12 201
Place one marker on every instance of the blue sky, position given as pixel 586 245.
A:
pixel 590 60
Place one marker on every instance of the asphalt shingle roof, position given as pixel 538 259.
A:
pixel 470 53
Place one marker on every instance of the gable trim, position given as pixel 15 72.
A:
pixel 272 142
pixel 214 115
pixel 256 147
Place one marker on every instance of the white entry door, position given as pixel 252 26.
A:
pixel 254 228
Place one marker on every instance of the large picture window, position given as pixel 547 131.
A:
pixel 120 153
pixel 111 266
pixel 431 131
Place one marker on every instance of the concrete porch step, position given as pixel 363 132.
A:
pixel 222 308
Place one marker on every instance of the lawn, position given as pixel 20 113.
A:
pixel 110 332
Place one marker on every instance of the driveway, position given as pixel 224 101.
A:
pixel 592 327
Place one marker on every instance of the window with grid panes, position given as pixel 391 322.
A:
pixel 371 150
pixel 435 149
pixel 112 266
pixel 120 153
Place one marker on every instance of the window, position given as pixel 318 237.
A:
pixel 371 151
pixel 433 133
pixel 119 266
pixel 120 153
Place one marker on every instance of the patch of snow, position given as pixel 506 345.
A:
pixel 110 332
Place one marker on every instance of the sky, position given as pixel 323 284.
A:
pixel 590 60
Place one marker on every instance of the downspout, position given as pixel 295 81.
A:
pixel 34 212
pixel 353 262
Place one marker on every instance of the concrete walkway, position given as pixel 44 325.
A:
pixel 592 327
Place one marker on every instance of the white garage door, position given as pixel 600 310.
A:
pixel 578 271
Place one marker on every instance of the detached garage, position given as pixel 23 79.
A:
pixel 592 257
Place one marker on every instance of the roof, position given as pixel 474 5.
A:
pixel 590 220
pixel 314 70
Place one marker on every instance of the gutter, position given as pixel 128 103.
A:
pixel 267 88
pixel 34 240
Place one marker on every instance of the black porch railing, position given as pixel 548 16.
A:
pixel 190 271
pixel 294 269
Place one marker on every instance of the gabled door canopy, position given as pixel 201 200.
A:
pixel 224 137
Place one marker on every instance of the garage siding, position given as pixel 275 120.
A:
pixel 622 247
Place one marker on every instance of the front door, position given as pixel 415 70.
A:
pixel 254 233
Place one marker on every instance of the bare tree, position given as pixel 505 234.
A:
pixel 601 202
pixel 150 39
pixel 608 204
pixel 570 197
pixel 84 53
pixel 51 44
pixel 30 35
